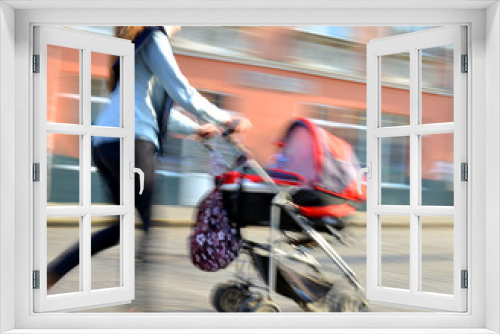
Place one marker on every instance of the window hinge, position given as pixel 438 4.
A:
pixel 36 279
pixel 465 279
pixel 465 64
pixel 464 170
pixel 36 172
pixel 36 63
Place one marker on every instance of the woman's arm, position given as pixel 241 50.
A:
pixel 180 123
pixel 159 57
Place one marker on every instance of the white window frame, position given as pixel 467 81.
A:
pixel 86 43
pixel 484 104
pixel 414 43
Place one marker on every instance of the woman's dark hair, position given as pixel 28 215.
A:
pixel 126 32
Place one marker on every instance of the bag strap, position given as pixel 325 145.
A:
pixel 163 124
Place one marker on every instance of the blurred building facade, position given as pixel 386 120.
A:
pixel 271 75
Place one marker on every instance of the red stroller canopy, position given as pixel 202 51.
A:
pixel 327 162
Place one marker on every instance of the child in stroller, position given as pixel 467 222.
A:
pixel 311 191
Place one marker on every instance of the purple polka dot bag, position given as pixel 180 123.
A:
pixel 214 242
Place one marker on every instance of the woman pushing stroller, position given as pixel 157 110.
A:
pixel 158 84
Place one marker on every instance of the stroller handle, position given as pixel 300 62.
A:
pixel 239 146
pixel 231 128
pixel 228 132
pixel 246 157
pixel 253 164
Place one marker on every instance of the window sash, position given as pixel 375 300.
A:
pixel 86 43
pixel 414 42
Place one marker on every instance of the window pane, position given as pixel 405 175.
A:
pixel 63 169
pixel 437 169
pixel 395 170
pixel 102 99
pixel 106 162
pixel 437 84
pixel 63 85
pixel 63 234
pixel 437 254
pixel 106 265
pixel 395 89
pixel 395 251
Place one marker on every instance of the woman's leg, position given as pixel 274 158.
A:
pixel 145 159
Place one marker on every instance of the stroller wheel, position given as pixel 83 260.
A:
pixel 228 297
pixel 258 303
pixel 342 297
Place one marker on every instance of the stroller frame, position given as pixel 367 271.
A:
pixel 282 202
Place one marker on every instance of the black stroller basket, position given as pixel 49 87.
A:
pixel 252 209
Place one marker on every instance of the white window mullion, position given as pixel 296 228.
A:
pixel 419 210
pixel 378 253
pixel 83 177
pixel 85 228
pixel 85 254
pixel 393 131
pixel 86 84
pixel 415 158
pixel 80 130
pixel 96 210
pixel 434 211
pixel 99 131
pixel 422 130
pixel 373 183
pixel 67 129
pixel 85 171
pixel 392 209
pixel 434 129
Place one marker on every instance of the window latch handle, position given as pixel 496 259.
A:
pixel 368 171
pixel 141 176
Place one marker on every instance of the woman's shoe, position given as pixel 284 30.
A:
pixel 52 278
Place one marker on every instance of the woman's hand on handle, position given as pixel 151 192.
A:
pixel 207 130
pixel 238 124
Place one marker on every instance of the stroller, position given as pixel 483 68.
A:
pixel 310 192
